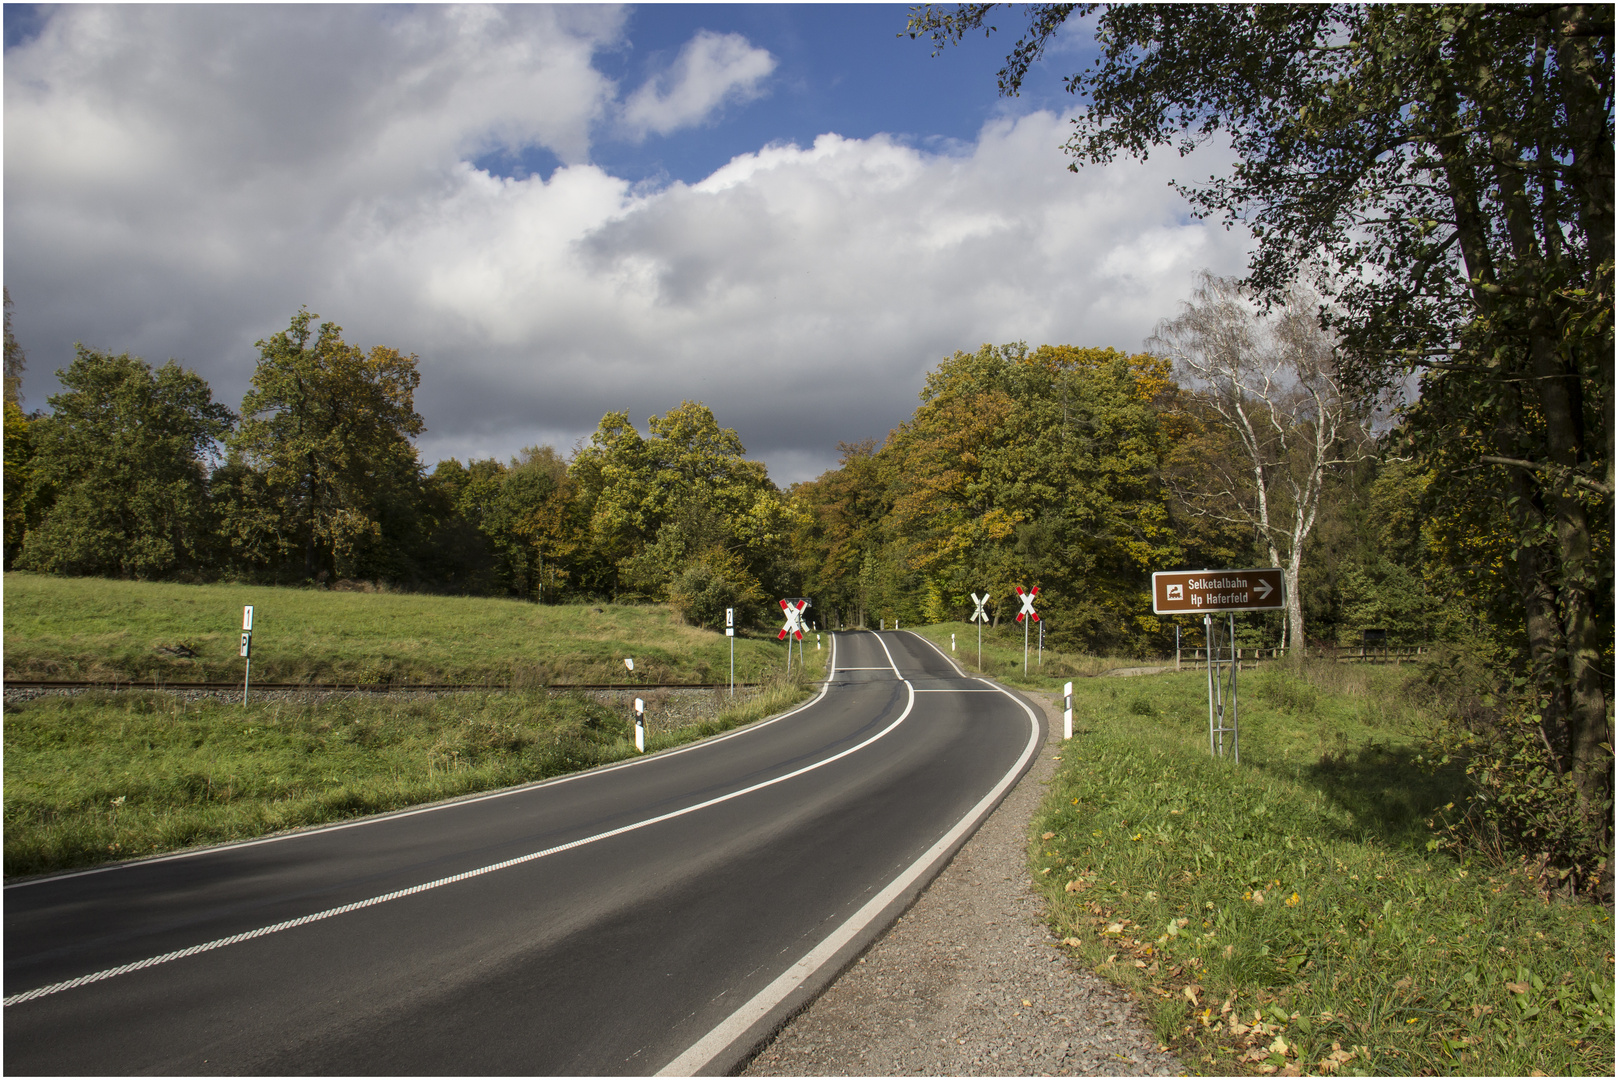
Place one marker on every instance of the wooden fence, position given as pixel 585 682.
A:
pixel 1354 654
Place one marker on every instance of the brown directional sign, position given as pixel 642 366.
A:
pixel 1196 592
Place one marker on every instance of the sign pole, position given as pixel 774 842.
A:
pixel 730 632
pixel 1207 637
pixel 247 650
pixel 1235 666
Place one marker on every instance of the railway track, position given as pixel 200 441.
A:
pixel 372 688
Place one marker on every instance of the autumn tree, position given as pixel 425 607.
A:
pixel 119 469
pixel 1444 173
pixel 840 532
pixel 1040 466
pixel 328 428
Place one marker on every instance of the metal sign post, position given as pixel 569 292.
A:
pixel 980 617
pixel 730 632
pixel 247 650
pixel 1206 592
pixel 1042 645
pixel 1221 707
pixel 1028 610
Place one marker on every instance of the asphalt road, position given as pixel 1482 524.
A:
pixel 663 914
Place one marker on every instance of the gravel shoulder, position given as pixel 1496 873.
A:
pixel 969 981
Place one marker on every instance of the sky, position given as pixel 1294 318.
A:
pixel 788 212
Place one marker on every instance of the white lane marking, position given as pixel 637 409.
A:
pixel 947 657
pixel 840 668
pixel 896 672
pixel 661 755
pixel 178 954
pixel 734 1026
pixel 956 690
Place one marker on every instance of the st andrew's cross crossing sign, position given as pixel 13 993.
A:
pixel 1028 603
pixel 1197 592
pixel 980 615
pixel 794 609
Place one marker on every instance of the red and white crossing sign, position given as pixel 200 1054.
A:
pixel 1028 603
pixel 794 609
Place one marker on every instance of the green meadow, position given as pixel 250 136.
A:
pixel 1294 913
pixel 135 631
pixel 104 775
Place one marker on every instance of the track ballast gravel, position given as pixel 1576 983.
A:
pixel 969 982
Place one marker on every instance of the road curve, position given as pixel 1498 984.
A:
pixel 659 915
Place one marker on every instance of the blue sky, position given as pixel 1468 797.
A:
pixel 788 212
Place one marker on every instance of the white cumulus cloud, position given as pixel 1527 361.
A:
pixel 178 180
pixel 711 70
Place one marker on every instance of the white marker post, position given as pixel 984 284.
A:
pixel 247 650
pixel 1027 610
pixel 980 617
pixel 629 662
pixel 730 632
pixel 640 725
pixel 952 644
pixel 1067 711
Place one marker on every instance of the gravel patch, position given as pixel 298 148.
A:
pixel 969 981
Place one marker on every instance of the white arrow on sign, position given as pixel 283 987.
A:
pixel 980 615
pixel 1264 589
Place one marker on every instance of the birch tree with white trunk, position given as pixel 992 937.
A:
pixel 1271 379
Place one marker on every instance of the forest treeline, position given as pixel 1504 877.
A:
pixel 1074 469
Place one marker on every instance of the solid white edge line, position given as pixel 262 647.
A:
pixel 395 815
pixel 248 935
pixel 737 1024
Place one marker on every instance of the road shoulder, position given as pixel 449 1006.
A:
pixel 969 980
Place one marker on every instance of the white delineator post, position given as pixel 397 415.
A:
pixel 1067 710
pixel 730 632
pixel 247 650
pixel 640 725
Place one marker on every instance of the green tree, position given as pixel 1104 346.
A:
pixel 120 467
pixel 685 494
pixel 1445 174
pixel 15 361
pixel 329 427
pixel 19 471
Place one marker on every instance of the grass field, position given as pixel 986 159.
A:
pixel 1003 655
pixel 104 776
pixel 1286 914
pixel 132 631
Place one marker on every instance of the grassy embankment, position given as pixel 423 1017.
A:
pixel 94 629
pixel 1003 655
pixel 1286 915
pixel 104 776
